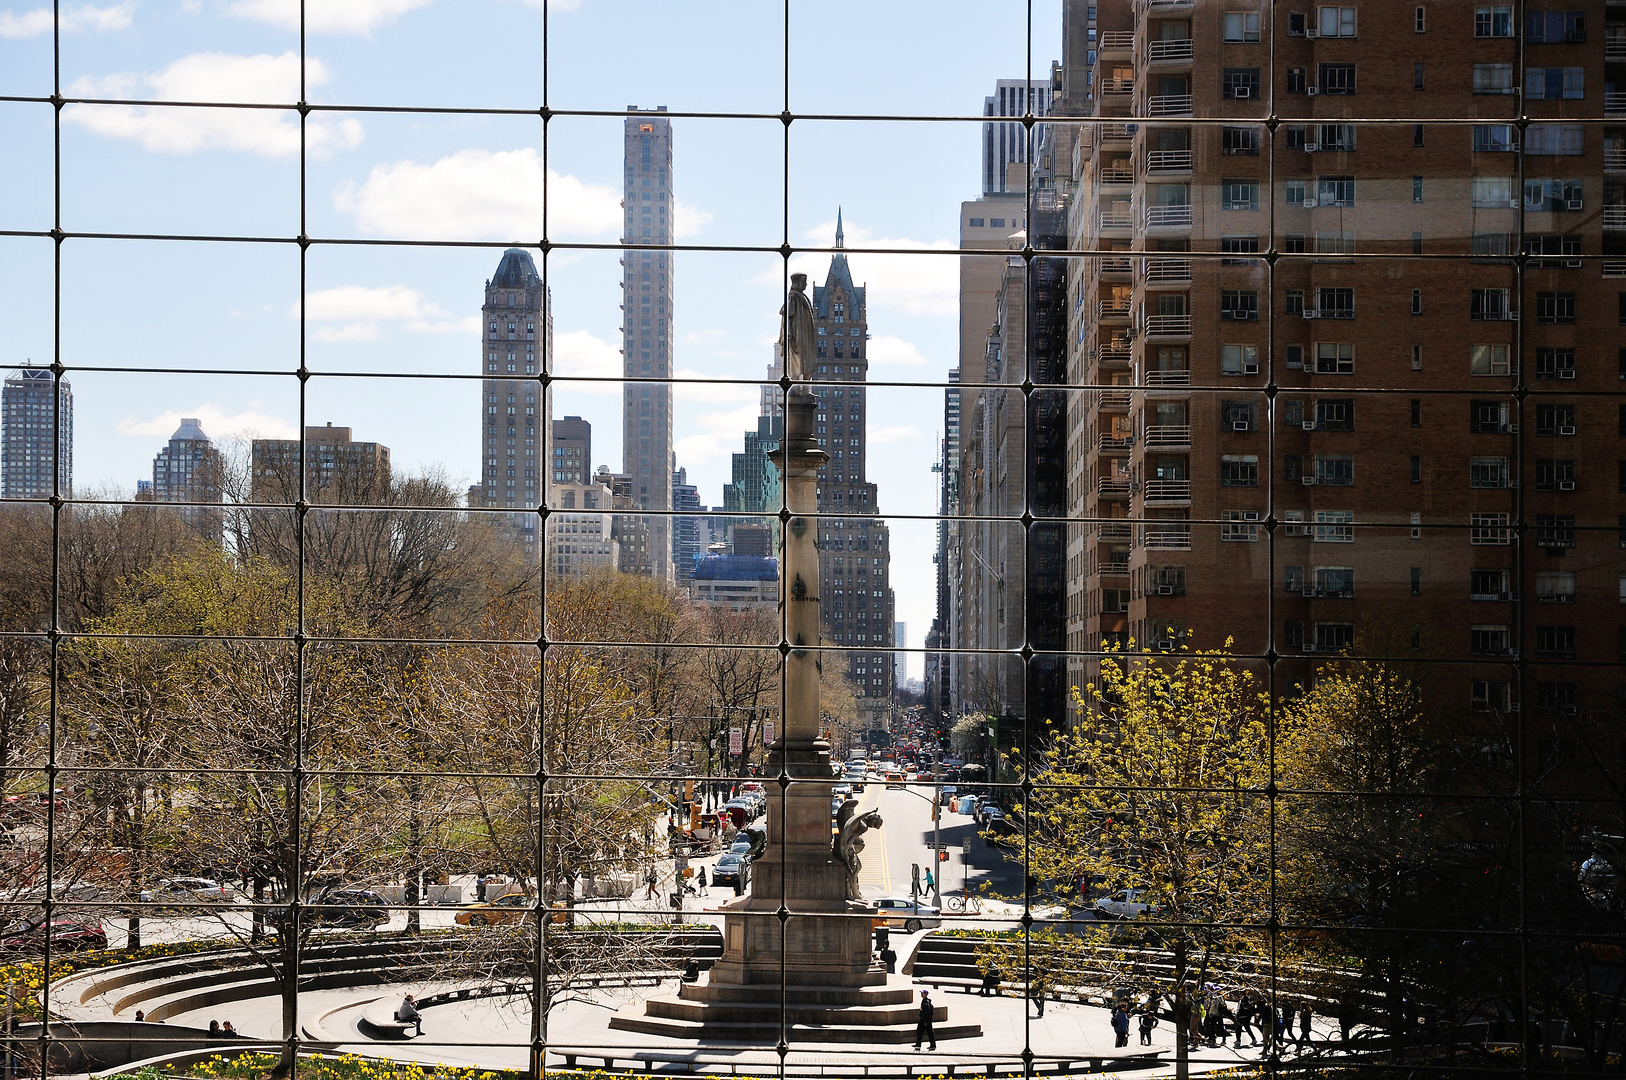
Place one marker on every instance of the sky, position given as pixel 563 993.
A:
pixel 378 315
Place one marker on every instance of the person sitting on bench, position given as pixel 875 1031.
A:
pixel 407 1013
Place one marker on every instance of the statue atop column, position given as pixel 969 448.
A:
pixel 796 337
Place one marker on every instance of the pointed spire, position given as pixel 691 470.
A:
pixel 840 240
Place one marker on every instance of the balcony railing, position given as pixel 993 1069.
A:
pixel 1614 268
pixel 1113 399
pixel 1614 159
pixel 1167 216
pixel 1110 487
pixel 1117 132
pixel 1168 270
pixel 1116 442
pixel 1168 434
pixel 1163 7
pixel 1614 103
pixel 1165 325
pixel 1117 86
pixel 1181 377
pixel 1115 569
pixel 1168 161
pixel 1112 532
pixel 1117 40
pixel 1115 354
pixel 1115 309
pixel 1117 266
pixel 1124 220
pixel 1168 52
pixel 1164 490
pixel 1117 176
pixel 1169 105
pixel 1614 217
pixel 1614 47
pixel 1166 539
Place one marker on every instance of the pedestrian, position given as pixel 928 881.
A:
pixel 1120 1024
pixel 214 1029
pixel 227 1031
pixel 1267 1025
pixel 407 1013
pixel 649 880
pixel 141 1016
pixel 1305 1014
pixel 924 1032
pixel 1148 1021
pixel 1036 992
pixel 990 982
pixel 931 883
pixel 700 882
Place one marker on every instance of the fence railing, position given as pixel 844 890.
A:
pixel 1162 52
pixel 1169 105
pixel 1168 434
pixel 1167 324
pixel 1167 216
pixel 1168 161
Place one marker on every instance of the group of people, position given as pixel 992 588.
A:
pixel 1255 1015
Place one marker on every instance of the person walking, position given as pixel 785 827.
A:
pixel 1148 1021
pixel 1120 1024
pixel 924 1031
pixel 649 880
pixel 930 881
pixel 700 882
pixel 1306 1012
pixel 1267 1026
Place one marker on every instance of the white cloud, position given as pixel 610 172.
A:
pixel 476 194
pixel 216 422
pixel 262 79
pixel 894 434
pixel 581 355
pixel 720 435
pixel 327 16
pixel 916 284
pixel 700 337
pixel 358 310
pixel 688 220
pixel 889 349
pixel 74 17
pixel 713 392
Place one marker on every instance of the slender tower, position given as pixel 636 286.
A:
pixel 517 328
pixel 646 284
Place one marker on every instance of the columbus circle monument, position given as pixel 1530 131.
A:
pixel 797 963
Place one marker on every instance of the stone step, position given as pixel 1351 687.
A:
pixel 708 1013
pixel 798 995
pixel 634 1019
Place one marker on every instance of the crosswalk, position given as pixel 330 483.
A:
pixel 875 875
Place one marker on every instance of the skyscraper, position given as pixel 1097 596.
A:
pixel 571 440
pixel 188 470
pixel 1005 142
pixel 518 331
pixel 31 441
pixel 854 543
pixel 685 530
pixel 646 411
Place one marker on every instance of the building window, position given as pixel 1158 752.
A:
pixel 1334 637
pixel 1555 363
pixel 1493 78
pixel 1335 303
pixel 1554 83
pixel 1240 84
pixel 1417 76
pixel 1239 526
pixel 1335 191
pixel 1239 359
pixel 1335 470
pixel 1554 140
pixel 1489 529
pixel 1239 470
pixel 1555 419
pixel 1555 474
pixel 1486 417
pixel 1239 194
pixel 1334 358
pixel 1493 22
pixel 1488 304
pixel 1556 531
pixel 1555 307
pixel 1239 140
pixel 1557 642
pixel 1554 27
pixel 1237 245
pixel 1337 78
pixel 1241 26
pixel 1334 527
pixel 1295 80
pixel 1487 472
pixel 1488 640
pixel 1335 414
pixel 1487 360
pixel 1495 139
pixel 1239 305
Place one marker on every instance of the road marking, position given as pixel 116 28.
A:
pixel 875 875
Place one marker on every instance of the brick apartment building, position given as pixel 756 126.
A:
pixel 1350 372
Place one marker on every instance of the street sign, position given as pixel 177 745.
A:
pixel 965 847
pixel 736 741
pixel 680 863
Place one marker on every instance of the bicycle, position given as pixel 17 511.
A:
pixel 959 904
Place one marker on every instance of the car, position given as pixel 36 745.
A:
pixel 514 907
pixel 904 911
pixel 732 869
pixel 1126 904
pixel 989 814
pixel 350 907
pixel 841 791
pixel 67 933
pixel 188 890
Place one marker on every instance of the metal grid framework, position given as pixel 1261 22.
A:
pixel 1520 935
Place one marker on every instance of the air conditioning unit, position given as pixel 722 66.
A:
pixel 1241 93
pixel 1310 147
pixel 1513 203
pixel 1312 313
pixel 1572 204
pixel 1513 316
pixel 1566 430
pixel 1250 369
pixel 1309 34
pixel 1572 264
pixel 1309 425
pixel 1566 485
pixel 1513 429
pixel 1306 592
pixel 1309 646
pixel 1239 425
pixel 1309 204
pixel 1312 90
pixel 1307 481
pixel 1250 515
pixel 1566 373
pixel 1513 706
pixel 1165 590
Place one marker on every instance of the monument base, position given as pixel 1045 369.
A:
pixel 882 1013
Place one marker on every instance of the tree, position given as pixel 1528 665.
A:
pixel 1162 791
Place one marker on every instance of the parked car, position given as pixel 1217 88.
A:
pixel 904 911
pixel 350 907
pixel 987 813
pixel 1126 904
pixel 66 934
pixel 188 890
pixel 732 869
pixel 513 907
